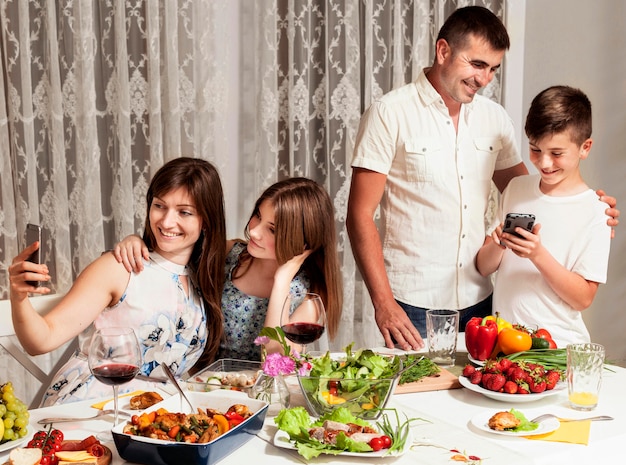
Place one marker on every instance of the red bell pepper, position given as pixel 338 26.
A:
pixel 481 335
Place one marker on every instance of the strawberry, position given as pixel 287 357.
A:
pixel 476 377
pixel 522 388
pixel 505 364
pixel 510 387
pixel 498 382
pixel 552 377
pixel 537 384
pixel 468 370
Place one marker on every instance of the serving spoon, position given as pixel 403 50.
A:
pixel 545 416
pixel 172 378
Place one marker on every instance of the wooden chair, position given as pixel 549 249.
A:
pixel 11 345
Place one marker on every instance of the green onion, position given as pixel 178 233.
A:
pixel 551 359
pixel 398 433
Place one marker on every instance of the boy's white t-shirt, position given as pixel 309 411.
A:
pixel 575 232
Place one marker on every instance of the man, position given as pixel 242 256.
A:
pixel 427 153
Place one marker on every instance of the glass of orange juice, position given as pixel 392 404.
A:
pixel 584 374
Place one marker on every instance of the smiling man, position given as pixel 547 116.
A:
pixel 427 153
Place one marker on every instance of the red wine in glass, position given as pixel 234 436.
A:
pixel 115 373
pixel 303 318
pixel 114 358
pixel 303 333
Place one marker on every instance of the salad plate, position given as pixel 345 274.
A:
pixel 281 439
pixel 512 398
pixel 481 421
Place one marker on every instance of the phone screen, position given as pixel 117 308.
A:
pixel 33 234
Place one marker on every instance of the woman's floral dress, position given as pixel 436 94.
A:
pixel 244 315
pixel 170 326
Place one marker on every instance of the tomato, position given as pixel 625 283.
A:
pixel 333 391
pixel 543 334
pixel 512 340
pixel 376 444
pixel 552 344
pixel 386 441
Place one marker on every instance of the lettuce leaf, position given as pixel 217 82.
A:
pixel 296 422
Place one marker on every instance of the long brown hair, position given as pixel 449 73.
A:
pixel 202 182
pixel 304 217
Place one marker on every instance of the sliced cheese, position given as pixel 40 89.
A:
pixel 75 456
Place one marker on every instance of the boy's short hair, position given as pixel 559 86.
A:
pixel 558 109
pixel 474 20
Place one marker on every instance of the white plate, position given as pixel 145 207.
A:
pixel 281 439
pixel 481 421
pixel 11 444
pixel 513 398
pixel 475 361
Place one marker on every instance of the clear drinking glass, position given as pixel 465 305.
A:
pixel 303 318
pixel 114 359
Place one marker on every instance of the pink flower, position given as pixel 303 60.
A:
pixel 261 340
pixel 277 364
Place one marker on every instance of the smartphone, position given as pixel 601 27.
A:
pixel 33 234
pixel 523 220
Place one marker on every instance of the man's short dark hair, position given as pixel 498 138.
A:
pixel 478 21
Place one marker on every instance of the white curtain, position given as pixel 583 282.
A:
pixel 98 94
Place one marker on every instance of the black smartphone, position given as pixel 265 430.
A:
pixel 523 220
pixel 33 234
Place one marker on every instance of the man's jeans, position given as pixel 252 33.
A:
pixel 417 315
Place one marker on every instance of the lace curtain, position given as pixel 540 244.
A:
pixel 98 94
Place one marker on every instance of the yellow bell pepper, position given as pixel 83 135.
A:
pixel 500 322
pixel 222 423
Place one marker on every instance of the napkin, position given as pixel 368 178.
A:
pixel 100 405
pixel 574 432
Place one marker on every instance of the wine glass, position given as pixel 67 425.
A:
pixel 303 318
pixel 114 359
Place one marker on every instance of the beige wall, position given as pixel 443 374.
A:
pixel 581 43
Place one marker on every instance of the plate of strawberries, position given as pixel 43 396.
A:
pixel 512 381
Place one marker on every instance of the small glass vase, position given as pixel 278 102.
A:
pixel 272 389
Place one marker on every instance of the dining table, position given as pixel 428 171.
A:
pixel 442 431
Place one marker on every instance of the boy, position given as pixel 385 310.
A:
pixel 548 276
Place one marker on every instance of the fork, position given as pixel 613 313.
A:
pixel 47 421
pixel 549 415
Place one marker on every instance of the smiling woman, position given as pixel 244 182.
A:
pixel 173 306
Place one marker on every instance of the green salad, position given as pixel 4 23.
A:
pixel 360 382
pixel 296 422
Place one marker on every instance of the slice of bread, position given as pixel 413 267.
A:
pixel 25 456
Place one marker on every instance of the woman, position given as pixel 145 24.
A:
pixel 173 307
pixel 290 245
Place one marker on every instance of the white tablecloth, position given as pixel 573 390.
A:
pixel 449 413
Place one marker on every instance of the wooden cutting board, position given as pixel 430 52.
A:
pixel 442 381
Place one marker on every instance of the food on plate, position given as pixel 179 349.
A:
pixel 145 400
pixel 57 451
pixel 201 427
pixel 481 335
pixel 550 359
pixel 24 456
pixel 336 432
pixel 512 420
pixel 513 377
pixel 503 420
pixel 14 415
